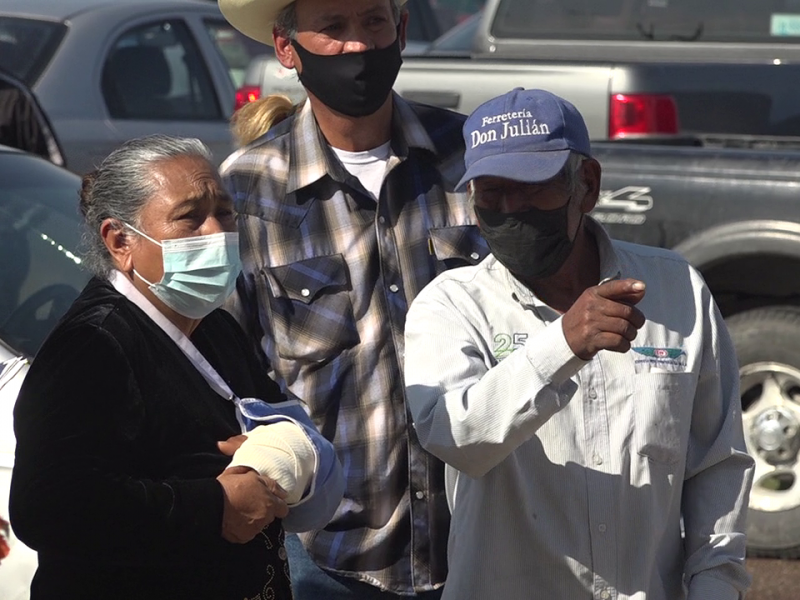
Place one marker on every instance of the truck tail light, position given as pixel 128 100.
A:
pixel 246 94
pixel 641 114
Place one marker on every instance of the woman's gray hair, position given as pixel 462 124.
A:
pixel 122 186
pixel 286 22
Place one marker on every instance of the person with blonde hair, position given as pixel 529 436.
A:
pixel 346 210
pixel 255 118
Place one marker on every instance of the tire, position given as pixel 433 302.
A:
pixel 767 342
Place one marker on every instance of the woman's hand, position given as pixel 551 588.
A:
pixel 231 445
pixel 251 503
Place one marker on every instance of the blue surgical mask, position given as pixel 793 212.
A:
pixel 199 272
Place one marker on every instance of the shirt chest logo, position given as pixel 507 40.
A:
pixel 669 359
pixel 506 343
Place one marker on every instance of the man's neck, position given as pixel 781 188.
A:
pixel 580 271
pixel 354 134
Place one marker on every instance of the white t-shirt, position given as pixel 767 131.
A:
pixel 368 166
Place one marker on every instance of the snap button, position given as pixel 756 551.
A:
pixel 394 288
pixel 420 495
pixel 305 292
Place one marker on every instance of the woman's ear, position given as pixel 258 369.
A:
pixel 118 241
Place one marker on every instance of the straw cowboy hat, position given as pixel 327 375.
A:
pixel 256 18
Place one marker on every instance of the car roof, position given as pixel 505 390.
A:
pixel 64 9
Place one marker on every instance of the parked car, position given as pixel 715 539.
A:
pixel 40 276
pixel 105 71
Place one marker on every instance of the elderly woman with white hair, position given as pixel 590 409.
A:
pixel 125 424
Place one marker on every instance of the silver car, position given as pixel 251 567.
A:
pixel 109 70
pixel 40 276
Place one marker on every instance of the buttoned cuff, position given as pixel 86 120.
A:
pixel 551 356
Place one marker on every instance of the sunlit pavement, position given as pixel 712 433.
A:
pixel 774 579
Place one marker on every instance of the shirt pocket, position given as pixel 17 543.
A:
pixel 310 308
pixel 458 246
pixel 662 405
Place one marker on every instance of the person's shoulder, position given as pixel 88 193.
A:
pixel 268 151
pixel 445 127
pixel 98 319
pixel 462 284
pixel 645 252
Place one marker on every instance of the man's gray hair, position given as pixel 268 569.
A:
pixel 286 22
pixel 571 173
pixel 122 186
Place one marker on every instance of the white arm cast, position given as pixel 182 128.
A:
pixel 280 451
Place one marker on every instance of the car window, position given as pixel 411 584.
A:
pixel 776 21
pixel 235 48
pixel 40 270
pixel 156 72
pixel 458 40
pixel 424 24
pixel 28 45
pixel 452 12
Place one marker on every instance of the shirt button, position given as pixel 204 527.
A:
pixel 605 595
pixel 382 220
pixel 602 527
pixel 394 288
pixel 592 393
pixel 474 256
pixel 305 292
pixel 420 495
pixel 598 460
pixel 282 553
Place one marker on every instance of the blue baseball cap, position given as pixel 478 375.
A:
pixel 525 135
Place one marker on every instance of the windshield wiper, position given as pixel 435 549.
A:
pixel 650 34
pixel 692 37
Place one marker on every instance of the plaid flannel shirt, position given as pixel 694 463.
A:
pixel 328 275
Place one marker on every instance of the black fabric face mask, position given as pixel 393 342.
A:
pixel 355 83
pixel 532 244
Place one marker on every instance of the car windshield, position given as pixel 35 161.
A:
pixel 759 21
pixel 27 45
pixel 235 48
pixel 40 230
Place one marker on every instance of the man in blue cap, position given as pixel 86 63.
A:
pixel 592 432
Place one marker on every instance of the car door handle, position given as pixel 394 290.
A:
pixel 434 98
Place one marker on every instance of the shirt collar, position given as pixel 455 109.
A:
pixel 312 158
pixel 609 266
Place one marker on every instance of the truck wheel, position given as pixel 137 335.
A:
pixel 767 342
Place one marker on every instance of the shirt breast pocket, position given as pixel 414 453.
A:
pixel 310 308
pixel 662 406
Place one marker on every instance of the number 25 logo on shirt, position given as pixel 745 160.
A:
pixel 506 343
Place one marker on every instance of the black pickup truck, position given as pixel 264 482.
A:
pixel 735 215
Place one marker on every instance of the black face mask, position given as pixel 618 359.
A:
pixel 532 244
pixel 355 83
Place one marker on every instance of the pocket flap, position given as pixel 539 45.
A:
pixel 304 279
pixel 463 241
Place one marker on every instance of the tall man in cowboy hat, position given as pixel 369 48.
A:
pixel 346 211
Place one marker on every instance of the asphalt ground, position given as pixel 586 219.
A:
pixel 774 579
